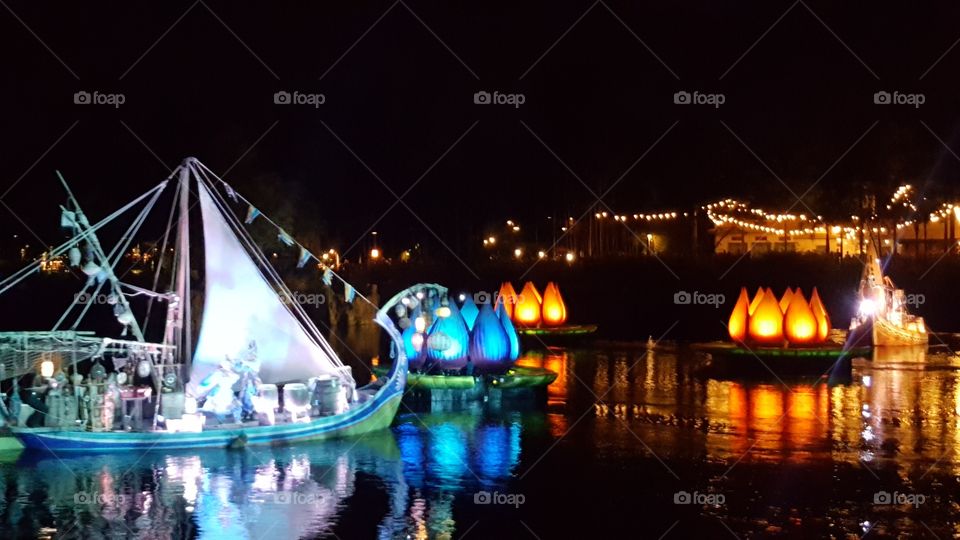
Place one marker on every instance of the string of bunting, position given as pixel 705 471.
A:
pixel 349 292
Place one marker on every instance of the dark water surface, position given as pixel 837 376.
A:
pixel 625 434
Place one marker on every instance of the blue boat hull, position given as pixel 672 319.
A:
pixel 375 414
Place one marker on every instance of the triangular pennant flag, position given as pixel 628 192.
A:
pixel 252 214
pixel 285 238
pixel 230 192
pixel 349 293
pixel 68 219
pixel 327 277
pixel 304 257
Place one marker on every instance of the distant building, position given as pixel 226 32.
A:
pixel 738 229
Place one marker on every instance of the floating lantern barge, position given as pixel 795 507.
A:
pixel 460 352
pixel 541 317
pixel 785 336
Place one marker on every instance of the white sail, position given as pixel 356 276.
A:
pixel 240 308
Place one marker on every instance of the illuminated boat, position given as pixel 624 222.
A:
pixel 253 334
pixel 882 317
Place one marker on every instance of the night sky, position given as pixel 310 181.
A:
pixel 598 81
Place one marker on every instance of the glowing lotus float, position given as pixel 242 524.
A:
pixel 789 320
pixel 464 347
pixel 783 335
pixel 539 315
pixel 441 338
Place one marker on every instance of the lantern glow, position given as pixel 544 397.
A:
pixel 554 312
pixel 469 311
pixel 799 322
pixel 766 321
pixel 489 342
pixel 527 310
pixel 756 300
pixel 737 326
pixel 785 299
pixel 820 312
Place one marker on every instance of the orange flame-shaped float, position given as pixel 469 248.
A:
pixel 554 312
pixel 799 322
pixel 785 299
pixel 738 319
pixel 820 312
pixel 527 310
pixel 766 321
pixel 756 300
pixel 509 297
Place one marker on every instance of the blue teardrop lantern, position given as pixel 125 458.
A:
pixel 448 338
pixel 469 312
pixel 489 344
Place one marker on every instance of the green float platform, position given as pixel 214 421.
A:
pixel 444 391
pixel 829 359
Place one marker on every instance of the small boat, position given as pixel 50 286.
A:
pixel 882 316
pixel 253 334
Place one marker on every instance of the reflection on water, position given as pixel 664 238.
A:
pixel 621 431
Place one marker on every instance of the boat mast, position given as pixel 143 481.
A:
pixel 91 236
pixel 182 284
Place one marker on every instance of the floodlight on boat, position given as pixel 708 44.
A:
pixel 868 306
pixel 46 369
